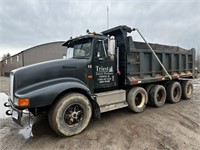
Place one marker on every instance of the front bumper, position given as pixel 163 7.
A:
pixel 14 112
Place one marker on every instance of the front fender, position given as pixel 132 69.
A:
pixel 44 93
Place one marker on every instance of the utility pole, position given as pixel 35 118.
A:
pixel 107 17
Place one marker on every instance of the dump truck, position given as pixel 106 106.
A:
pixel 102 72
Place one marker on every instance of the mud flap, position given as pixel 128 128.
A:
pixel 96 109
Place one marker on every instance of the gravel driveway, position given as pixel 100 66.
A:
pixel 174 126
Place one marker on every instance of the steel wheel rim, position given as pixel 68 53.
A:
pixel 73 115
pixel 189 90
pixel 176 92
pixel 160 96
pixel 139 100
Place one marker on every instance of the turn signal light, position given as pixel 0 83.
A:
pixel 90 77
pixel 23 102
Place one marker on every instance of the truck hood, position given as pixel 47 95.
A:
pixel 41 72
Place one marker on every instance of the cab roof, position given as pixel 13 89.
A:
pixel 113 31
pixel 88 36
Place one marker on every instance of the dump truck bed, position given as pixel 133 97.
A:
pixel 137 63
pixel 142 66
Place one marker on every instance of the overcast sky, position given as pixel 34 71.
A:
pixel 27 23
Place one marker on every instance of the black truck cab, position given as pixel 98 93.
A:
pixel 101 64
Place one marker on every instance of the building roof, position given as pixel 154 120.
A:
pixel 57 42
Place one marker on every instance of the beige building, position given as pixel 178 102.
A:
pixel 40 53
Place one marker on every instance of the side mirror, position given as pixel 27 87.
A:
pixel 111 47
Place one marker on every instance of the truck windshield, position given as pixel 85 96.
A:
pixel 80 49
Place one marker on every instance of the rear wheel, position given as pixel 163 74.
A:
pixel 70 115
pixel 158 95
pixel 137 99
pixel 187 89
pixel 174 92
pixel 148 88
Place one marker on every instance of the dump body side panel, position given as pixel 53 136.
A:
pixel 143 67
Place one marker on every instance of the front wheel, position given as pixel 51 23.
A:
pixel 70 115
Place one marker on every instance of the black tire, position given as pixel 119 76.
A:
pixel 137 99
pixel 158 95
pixel 187 89
pixel 70 115
pixel 148 88
pixel 174 92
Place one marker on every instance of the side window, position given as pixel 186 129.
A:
pixel 101 49
pixel 70 52
pixel 17 58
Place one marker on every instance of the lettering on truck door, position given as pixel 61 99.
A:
pixel 104 70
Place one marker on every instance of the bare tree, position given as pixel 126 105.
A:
pixel 5 56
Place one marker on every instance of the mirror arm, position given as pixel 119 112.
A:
pixel 104 49
pixel 117 59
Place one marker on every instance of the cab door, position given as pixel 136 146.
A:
pixel 104 68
